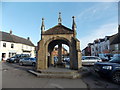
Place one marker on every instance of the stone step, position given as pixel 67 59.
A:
pixel 57 72
pixel 55 75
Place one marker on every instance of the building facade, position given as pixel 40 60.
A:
pixel 11 45
pixel 107 45
pixel 64 51
pixel 87 51
pixel 99 46
pixel 115 42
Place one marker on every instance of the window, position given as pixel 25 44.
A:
pixel 12 45
pixel 116 47
pixel 4 44
pixel 106 47
pixel 10 54
pixel 96 49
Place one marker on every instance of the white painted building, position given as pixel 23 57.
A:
pixel 92 50
pixel 11 44
pixel 100 46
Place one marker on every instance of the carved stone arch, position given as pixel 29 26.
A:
pixel 52 40
pixel 57 38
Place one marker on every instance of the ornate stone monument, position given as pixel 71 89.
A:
pixel 58 35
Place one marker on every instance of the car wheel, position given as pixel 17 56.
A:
pixel 15 61
pixel 116 77
pixel 33 64
pixel 21 63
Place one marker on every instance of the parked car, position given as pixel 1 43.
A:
pixel 55 59
pixel 16 58
pixel 27 61
pixel 109 69
pixel 90 60
pixel 116 55
pixel 11 59
pixel 105 57
pixel 67 60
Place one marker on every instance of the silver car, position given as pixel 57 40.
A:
pixel 27 61
pixel 90 60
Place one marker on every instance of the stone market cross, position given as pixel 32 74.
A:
pixel 58 35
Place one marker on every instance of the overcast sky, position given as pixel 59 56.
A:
pixel 94 19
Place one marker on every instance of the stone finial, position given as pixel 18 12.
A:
pixel 59 19
pixel 42 26
pixel 74 26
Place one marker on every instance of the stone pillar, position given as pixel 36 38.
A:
pixel 76 55
pixel 60 53
pixel 52 58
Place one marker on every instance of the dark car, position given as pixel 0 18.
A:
pixel 67 60
pixel 17 57
pixel 11 59
pixel 105 57
pixel 109 69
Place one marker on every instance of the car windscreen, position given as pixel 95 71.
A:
pixel 115 59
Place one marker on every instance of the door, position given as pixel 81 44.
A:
pixel 3 56
pixel 26 61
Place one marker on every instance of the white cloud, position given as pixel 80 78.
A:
pixel 96 11
pixel 101 32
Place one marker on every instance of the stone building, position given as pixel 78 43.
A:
pixel 11 44
pixel 87 51
pixel 58 35
pixel 55 51
pixel 115 42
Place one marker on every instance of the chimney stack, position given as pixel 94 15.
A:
pixel 28 38
pixel 10 32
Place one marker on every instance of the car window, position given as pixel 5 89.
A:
pixel 86 58
pixel 32 59
pixel 26 58
pixel 97 58
pixel 83 58
pixel 91 58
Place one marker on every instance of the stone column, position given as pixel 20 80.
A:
pixel 60 53
pixel 52 59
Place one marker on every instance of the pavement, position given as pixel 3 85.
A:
pixel 15 76
pixel 55 72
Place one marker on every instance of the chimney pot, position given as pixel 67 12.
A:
pixel 28 38
pixel 10 31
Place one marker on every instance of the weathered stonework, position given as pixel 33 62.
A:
pixel 50 39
